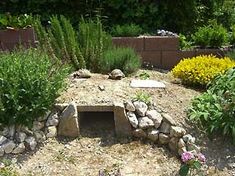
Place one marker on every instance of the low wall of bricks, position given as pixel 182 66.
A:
pixel 161 51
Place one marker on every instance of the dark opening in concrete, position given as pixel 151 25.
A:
pixel 96 124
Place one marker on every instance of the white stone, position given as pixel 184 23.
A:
pixel 181 143
pixel 163 138
pixel 130 106
pixel 145 122
pixel 133 119
pixel 5 131
pixel 52 132
pixel 141 108
pixel 12 130
pixel 147 84
pixel 20 136
pixel 2 139
pixel 153 135
pixel 9 146
pixel 19 149
pixel 168 119
pixel 189 139
pixel 52 120
pixel 2 151
pixel 37 125
pixel 176 131
pixel 30 143
pixel 155 116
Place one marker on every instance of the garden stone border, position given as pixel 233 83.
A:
pixel 131 118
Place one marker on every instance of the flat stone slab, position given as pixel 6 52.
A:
pixel 147 84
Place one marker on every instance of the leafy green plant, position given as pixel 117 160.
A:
pixel 231 54
pixel 93 41
pixel 143 96
pixel 184 43
pixel 213 35
pixel 126 30
pixel 60 41
pixel 16 22
pixel 144 75
pixel 29 85
pixel 122 58
pixel 232 40
pixel 214 109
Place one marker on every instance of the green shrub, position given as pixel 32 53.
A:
pixel 213 35
pixel 143 96
pixel 121 58
pixel 29 85
pixel 214 110
pixel 184 43
pixel 232 41
pixel 126 30
pixel 60 41
pixel 200 70
pixel 93 41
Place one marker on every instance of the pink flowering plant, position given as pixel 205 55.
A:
pixel 192 164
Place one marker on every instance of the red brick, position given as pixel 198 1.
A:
pixel 170 59
pixel 152 57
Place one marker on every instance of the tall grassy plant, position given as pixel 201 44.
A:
pixel 93 42
pixel 29 85
pixel 122 58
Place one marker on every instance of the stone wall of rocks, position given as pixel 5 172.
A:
pixel 61 121
pixel 158 127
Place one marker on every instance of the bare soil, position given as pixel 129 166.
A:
pixel 99 149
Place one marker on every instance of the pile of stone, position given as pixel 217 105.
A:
pixel 158 127
pixel 17 139
pixel 166 33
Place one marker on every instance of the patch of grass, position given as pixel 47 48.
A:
pixel 144 75
pixel 63 156
pixel 144 97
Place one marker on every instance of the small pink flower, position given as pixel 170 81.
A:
pixel 201 157
pixel 186 156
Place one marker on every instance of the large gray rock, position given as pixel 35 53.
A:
pixel 130 106
pixel 3 139
pixel 12 130
pixel 52 132
pixel 165 128
pixel 2 151
pixel 9 146
pixel 145 122
pixel 141 108
pixel 176 131
pixel 163 138
pixel 39 136
pixel 188 138
pixel 193 147
pixel 5 131
pixel 155 116
pixel 133 119
pixel 139 133
pixel 52 120
pixel 153 135
pixel 61 106
pixel 38 125
pixel 181 143
pixel 19 149
pixel 20 137
pixel 168 119
pixel 173 144
pixel 30 143
pixel 68 125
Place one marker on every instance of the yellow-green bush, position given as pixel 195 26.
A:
pixel 200 70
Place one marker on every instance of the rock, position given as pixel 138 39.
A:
pixel 145 122
pixel 52 132
pixel 39 136
pixel 168 119
pixel 82 73
pixel 163 138
pixel 173 144
pixel 19 149
pixel 165 128
pixel 20 137
pixel 44 117
pixel 182 150
pixel 155 116
pixel 133 119
pixel 8 147
pixel 12 130
pixel 60 106
pixel 68 125
pixel 192 147
pixel 5 131
pixel 153 135
pixel 3 139
pixel 130 106
pixel 52 120
pixel 176 131
pixel 30 143
pixel 116 74
pixel 181 143
pixel 139 133
pixel 189 139
pixel 2 151
pixel 141 108
pixel 37 125
pixel 26 130
pixel 101 87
